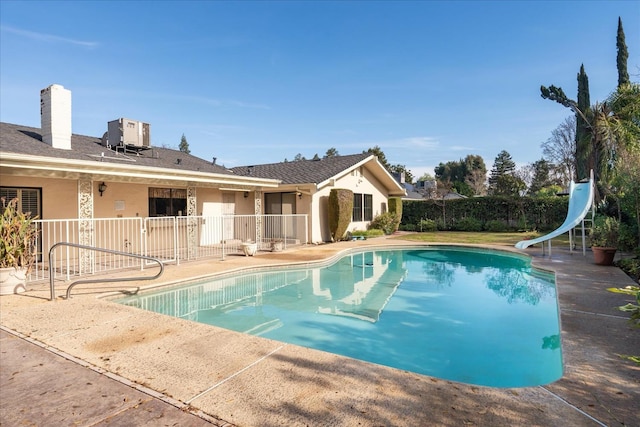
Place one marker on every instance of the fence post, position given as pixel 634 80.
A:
pixel 176 256
pixel 224 242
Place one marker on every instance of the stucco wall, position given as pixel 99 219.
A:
pixel 120 200
pixel 360 181
pixel 59 196
pixel 124 200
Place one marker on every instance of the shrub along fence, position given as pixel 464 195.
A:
pixel 492 213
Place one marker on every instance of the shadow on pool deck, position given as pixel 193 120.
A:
pixel 88 361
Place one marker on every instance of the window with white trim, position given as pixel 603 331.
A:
pixel 362 207
pixel 29 199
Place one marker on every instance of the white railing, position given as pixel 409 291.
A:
pixel 170 239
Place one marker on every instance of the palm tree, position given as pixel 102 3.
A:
pixel 615 126
pixel 612 125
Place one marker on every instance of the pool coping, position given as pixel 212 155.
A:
pixel 259 382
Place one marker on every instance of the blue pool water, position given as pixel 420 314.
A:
pixel 476 316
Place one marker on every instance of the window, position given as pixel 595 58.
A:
pixel 362 207
pixel 29 199
pixel 357 207
pixel 167 201
pixel 368 207
pixel 279 203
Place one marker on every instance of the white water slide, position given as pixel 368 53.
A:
pixel 580 203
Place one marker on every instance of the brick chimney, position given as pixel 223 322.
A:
pixel 55 116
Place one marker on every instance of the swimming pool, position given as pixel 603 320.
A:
pixel 475 316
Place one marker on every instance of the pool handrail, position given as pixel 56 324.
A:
pixel 103 280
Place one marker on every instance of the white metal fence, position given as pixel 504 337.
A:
pixel 169 239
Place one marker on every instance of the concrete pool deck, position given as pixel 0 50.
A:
pixel 89 361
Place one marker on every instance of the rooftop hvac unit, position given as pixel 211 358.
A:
pixel 129 134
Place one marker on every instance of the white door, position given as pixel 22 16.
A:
pixel 211 232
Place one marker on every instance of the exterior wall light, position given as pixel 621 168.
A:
pixel 102 188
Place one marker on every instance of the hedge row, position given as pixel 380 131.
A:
pixel 486 213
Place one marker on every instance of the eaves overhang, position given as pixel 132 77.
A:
pixel 21 164
pixel 393 187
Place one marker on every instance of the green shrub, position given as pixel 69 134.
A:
pixel 408 227
pixel 373 232
pixel 441 225
pixel 395 207
pixel 496 226
pixel 387 222
pixel 628 238
pixel 427 225
pixel 340 207
pixel 631 266
pixel 539 212
pixel 468 224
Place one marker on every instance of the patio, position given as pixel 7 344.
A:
pixel 226 378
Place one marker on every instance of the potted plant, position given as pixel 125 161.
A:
pixel 17 247
pixel 249 248
pixel 604 239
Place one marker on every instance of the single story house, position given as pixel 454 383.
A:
pixel 62 176
pixel 305 186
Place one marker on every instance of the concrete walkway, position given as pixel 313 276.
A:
pixel 88 361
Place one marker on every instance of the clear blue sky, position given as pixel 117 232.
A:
pixel 258 82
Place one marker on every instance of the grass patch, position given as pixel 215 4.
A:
pixel 483 237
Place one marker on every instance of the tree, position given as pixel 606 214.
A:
pixel 476 175
pixel 502 165
pixel 298 157
pixel 583 161
pixel 503 181
pixel 507 185
pixel 623 55
pixel 628 182
pixel 616 130
pixel 331 152
pixel 426 177
pixel 466 175
pixel 560 149
pixel 541 170
pixel 476 180
pixel 621 179
pixel 402 169
pixel 184 145
pixel 452 171
pixel 581 109
pixel 377 151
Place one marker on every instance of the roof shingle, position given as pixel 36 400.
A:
pixel 28 140
pixel 303 171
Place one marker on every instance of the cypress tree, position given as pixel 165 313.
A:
pixel 623 55
pixel 583 136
